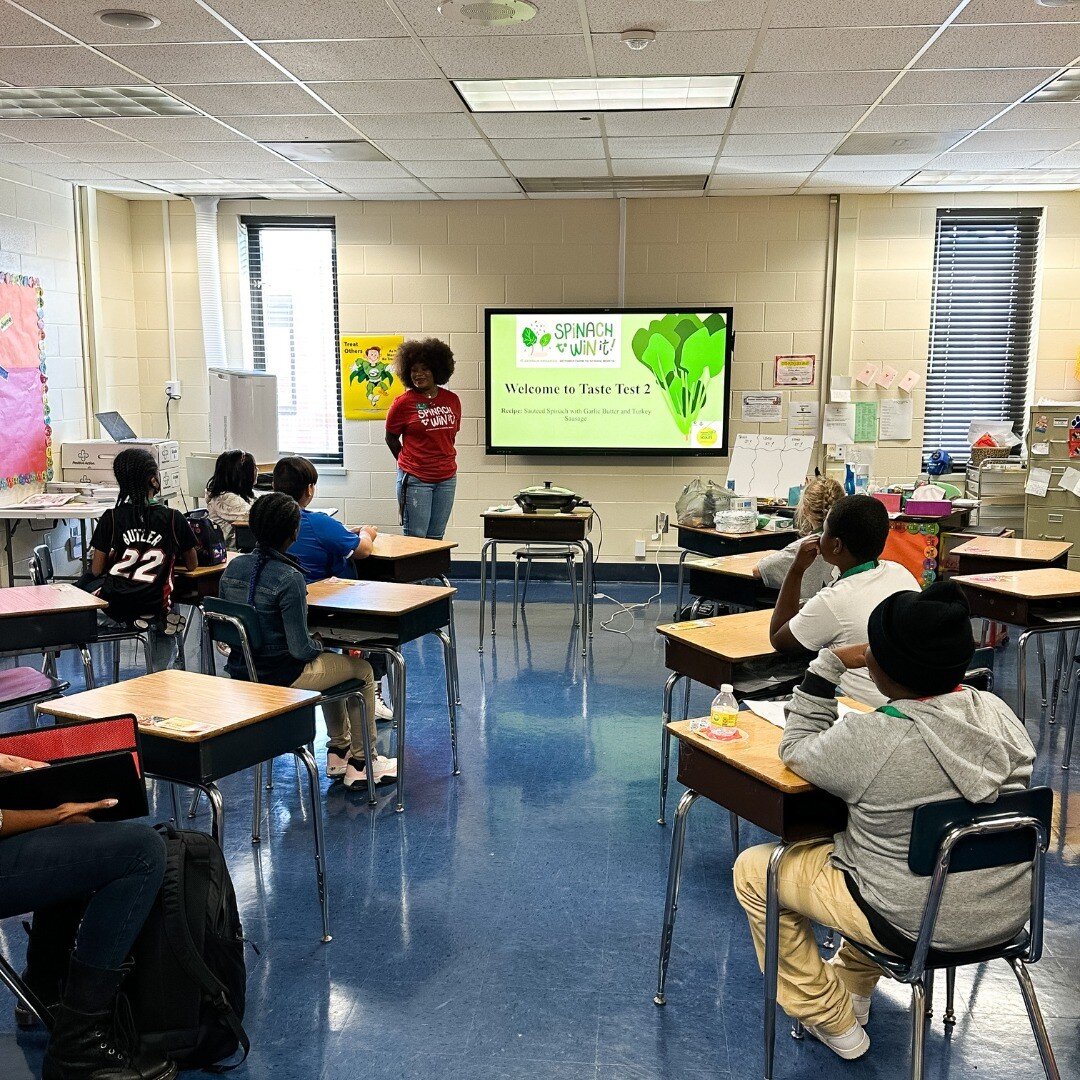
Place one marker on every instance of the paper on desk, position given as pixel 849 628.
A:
pixel 776 711
pixel 1070 481
pixel 1038 482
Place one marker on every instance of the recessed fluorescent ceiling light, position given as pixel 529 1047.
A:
pixel 1016 180
pixel 599 95
pixel 1066 87
pixel 339 150
pixel 89 102
pixel 540 184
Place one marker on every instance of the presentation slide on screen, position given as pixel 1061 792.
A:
pixel 604 381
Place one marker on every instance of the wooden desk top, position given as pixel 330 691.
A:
pixel 213 705
pixel 1049 584
pixel 373 597
pixel 730 637
pixel 1002 547
pixel 390 546
pixel 206 571
pixel 46 600
pixel 741 565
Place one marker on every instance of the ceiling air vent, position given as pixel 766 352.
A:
pixel 864 143
pixel 545 184
pixel 488 12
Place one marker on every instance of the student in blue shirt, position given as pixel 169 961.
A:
pixel 325 547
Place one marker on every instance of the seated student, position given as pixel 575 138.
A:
pixel 231 491
pixel 934 741
pixel 325 547
pixel 91 886
pixel 854 536
pixel 136 544
pixel 273 583
pixel 817 499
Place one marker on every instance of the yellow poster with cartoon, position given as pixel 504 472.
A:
pixel 368 382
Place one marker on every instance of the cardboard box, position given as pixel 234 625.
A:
pixel 170 478
pixel 99 453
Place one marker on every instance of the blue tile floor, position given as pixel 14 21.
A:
pixel 507 924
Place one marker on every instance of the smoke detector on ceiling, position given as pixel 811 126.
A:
pixel 637 40
pixel 122 19
pixel 487 12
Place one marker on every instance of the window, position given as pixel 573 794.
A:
pixel 980 323
pixel 292 285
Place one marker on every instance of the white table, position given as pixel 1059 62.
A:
pixel 80 512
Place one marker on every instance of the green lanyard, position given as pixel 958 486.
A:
pixel 892 710
pixel 860 569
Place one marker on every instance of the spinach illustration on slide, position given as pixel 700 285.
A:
pixel 531 339
pixel 684 354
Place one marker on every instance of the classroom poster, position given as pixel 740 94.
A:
pixel 25 431
pixel 794 370
pixel 368 382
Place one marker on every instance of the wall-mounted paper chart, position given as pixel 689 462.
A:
pixel 769 465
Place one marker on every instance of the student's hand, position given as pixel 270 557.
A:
pixel 808 551
pixel 10 764
pixel 851 656
pixel 75 813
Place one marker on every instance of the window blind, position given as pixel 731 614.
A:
pixel 981 320
pixel 292 288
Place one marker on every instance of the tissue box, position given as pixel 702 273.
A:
pixel 930 508
pixel 889 499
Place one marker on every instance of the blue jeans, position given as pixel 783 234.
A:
pixel 425 507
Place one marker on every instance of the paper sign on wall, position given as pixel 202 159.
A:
pixel 803 418
pixel 909 381
pixel 886 377
pixel 368 382
pixel 840 388
pixel 1070 481
pixel 866 421
pixel 865 374
pixel 894 419
pixel 795 370
pixel 762 408
pixel 839 427
pixel 769 465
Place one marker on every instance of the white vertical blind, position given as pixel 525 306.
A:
pixel 981 320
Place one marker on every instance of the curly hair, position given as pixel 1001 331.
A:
pixel 816 501
pixel 274 520
pixel 432 353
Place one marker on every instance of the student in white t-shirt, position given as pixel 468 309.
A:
pixel 852 540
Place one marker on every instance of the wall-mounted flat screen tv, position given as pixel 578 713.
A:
pixel 608 381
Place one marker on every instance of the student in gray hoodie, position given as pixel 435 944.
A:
pixel 935 740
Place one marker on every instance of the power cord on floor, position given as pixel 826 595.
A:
pixel 629 609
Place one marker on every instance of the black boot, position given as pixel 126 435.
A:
pixel 94 1037
pixel 48 950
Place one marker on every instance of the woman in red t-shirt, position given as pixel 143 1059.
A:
pixel 421 427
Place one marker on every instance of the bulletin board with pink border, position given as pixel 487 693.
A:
pixel 25 427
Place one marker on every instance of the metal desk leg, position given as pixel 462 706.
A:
pixel 450 707
pixel 88 666
pixel 369 748
pixel 592 582
pixel 303 755
pixel 1041 653
pixel 683 555
pixel 10 549
pixel 772 954
pixel 665 741
pixel 397 662
pixel 585 624
pixel 671 904
pixel 494 582
pixel 453 644
pixel 175 793
pixel 217 812
pixel 256 804
pixel 485 556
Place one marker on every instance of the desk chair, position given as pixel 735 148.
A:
pixel 544 553
pixel 24 687
pixel 955 837
pixel 24 996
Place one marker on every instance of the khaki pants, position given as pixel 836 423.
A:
pixel 809 889
pixel 330 669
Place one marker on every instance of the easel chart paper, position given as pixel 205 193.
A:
pixel 765 465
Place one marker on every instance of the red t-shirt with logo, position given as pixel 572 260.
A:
pixel 428 427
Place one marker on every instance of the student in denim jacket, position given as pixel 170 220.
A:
pixel 273 583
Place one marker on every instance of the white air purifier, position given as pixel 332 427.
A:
pixel 244 413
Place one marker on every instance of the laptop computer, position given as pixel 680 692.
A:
pixel 116 426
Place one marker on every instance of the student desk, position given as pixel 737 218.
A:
pixel 699 541
pixel 751 782
pixel 381 616
pixel 49 516
pixel 1045 601
pixel 543 527
pixel 730 579
pixel 48 618
pixel 192 587
pixel 235 726
pixel 993 554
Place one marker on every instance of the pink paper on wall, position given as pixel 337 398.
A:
pixel 25 431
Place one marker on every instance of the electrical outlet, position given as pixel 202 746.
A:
pixel 172 390
pixel 663 523
pixel 639 549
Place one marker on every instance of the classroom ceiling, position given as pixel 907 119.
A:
pixel 836 95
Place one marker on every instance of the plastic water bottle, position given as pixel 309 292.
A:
pixel 725 709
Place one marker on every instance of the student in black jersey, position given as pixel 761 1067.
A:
pixel 136 545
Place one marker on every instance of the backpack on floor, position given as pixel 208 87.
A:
pixel 189 982
pixel 209 539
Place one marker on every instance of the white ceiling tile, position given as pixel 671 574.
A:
pixel 816 118
pixel 238 150
pixel 357 170
pixel 1012 11
pixel 479 196
pixel 249 99
pixel 122 151
pixel 158 170
pixel 386 58
pixel 181 20
pixel 988 85
pixel 558 168
pixel 789 163
pixel 838 49
pixel 875 162
pixel 528 57
pixel 80 172
pixel 414 126
pixel 656 149
pixel 406 96
pixel 683 166
pixel 540 149
pixel 220 62
pixel 737 181
pixel 455 168
pixel 437 149
pixel 277 20
pixel 539 125
pixel 16 153
pixel 802 88
pixel 855 181
pixel 707 52
pixel 161 129
pixel 130 188
pixel 962 161
pixel 457 185
pixel 20 29
pixel 807 13
pixel 614 16
pixel 1041 114
pixel 667 122
pixel 375 187
pixel 928 117
pixel 64 65
pixel 813 143
pixel 325 128
pixel 1043 45
pixel 983 142
pixel 1067 159
pixel 57 129
pixel 745 193
pixel 552 17
pixel 271 169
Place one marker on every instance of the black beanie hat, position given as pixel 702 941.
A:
pixel 923 640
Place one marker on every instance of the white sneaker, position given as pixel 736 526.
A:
pixel 336 762
pixel 860 1004
pixel 384 771
pixel 382 710
pixel 849 1046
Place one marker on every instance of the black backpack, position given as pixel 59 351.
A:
pixel 210 540
pixel 189 982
